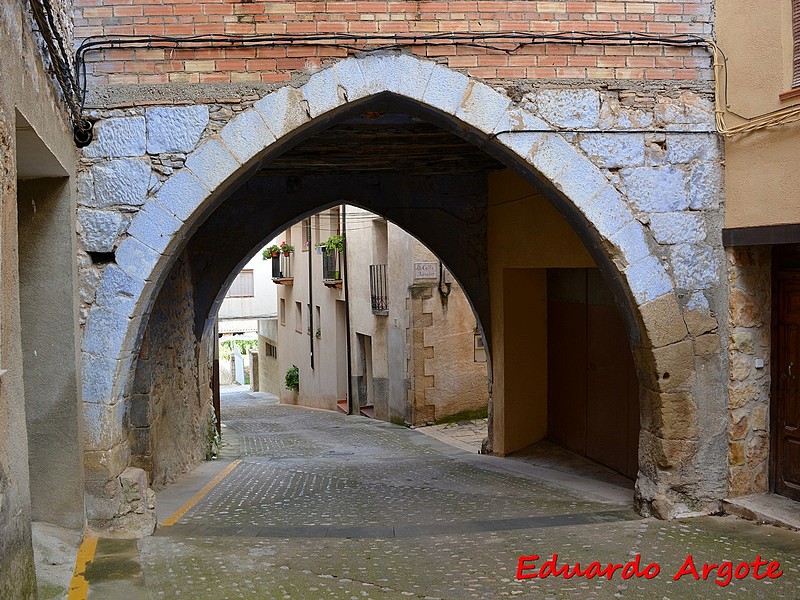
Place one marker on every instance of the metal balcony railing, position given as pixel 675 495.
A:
pixel 282 266
pixel 330 265
pixel 379 289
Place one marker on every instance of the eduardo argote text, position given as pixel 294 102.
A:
pixel 530 567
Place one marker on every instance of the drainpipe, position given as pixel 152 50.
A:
pixel 310 300
pixel 350 408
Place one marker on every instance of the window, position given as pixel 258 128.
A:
pixel 242 286
pixel 283 312
pixel 479 349
pixel 298 317
pixel 272 351
pixel 306 235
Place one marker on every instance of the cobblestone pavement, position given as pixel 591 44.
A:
pixel 329 506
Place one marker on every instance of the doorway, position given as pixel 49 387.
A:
pixel 785 417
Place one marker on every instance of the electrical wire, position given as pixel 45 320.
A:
pixel 74 83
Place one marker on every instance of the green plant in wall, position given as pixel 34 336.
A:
pixel 292 379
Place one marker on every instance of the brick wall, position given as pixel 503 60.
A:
pixel 276 64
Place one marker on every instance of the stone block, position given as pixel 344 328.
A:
pixel 631 243
pixel 118 285
pixel 212 163
pixel 695 266
pixel 675 416
pixel 707 344
pixel 614 151
pixel 608 212
pixel 246 135
pixel 445 89
pixel 742 341
pixel 741 366
pixel 98 229
pixel 88 280
pixel 118 137
pixel 283 111
pixel 519 120
pixel 678 228
pixel 175 128
pixel 402 74
pixel 759 418
pixel 663 321
pixel 482 107
pixel 121 182
pixel 656 189
pixel 699 321
pixel 136 514
pixel 139 414
pixel 137 259
pixel 744 310
pixel 322 92
pixel 182 194
pixel 740 395
pixel 687 113
pixel 674 366
pixel 112 461
pixel 551 155
pixel 736 453
pixel 569 108
pixel 648 280
pixel 688 147
pixel 98 374
pixel 103 425
pixel 85 183
pixel 155 226
pixel 105 332
pixel 350 80
pixel 740 426
pixel 705 186
pixel 757 449
pixel 581 181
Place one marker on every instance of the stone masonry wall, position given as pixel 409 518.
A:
pixel 171 404
pixel 279 64
pixel 749 323
pixel 667 179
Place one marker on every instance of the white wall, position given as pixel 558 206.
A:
pixel 264 303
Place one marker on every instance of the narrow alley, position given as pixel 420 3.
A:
pixel 324 505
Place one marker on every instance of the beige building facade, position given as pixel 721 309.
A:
pixel 412 332
pixel 758 97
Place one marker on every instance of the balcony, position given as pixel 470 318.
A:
pixel 282 269
pixel 379 289
pixel 331 268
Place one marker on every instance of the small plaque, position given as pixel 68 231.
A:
pixel 426 270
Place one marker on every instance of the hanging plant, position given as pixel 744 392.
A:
pixel 334 243
pixel 270 252
pixel 287 249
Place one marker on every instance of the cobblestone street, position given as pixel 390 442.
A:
pixel 324 505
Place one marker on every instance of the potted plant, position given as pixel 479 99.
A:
pixel 287 249
pixel 271 252
pixel 335 242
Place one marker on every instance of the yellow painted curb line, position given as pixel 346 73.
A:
pixel 173 518
pixel 79 587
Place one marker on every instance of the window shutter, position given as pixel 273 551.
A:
pixel 243 286
pixel 796 35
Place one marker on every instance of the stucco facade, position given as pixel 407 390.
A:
pixel 411 347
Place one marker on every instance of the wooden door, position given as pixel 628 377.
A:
pixel 786 400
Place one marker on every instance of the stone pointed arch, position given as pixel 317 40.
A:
pixel 159 230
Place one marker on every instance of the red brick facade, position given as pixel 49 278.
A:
pixel 275 64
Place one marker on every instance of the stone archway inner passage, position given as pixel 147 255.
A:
pixel 224 167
